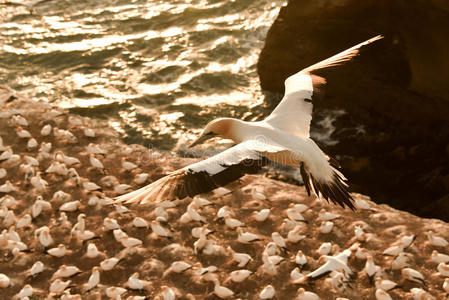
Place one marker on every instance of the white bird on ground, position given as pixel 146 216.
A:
pixel 68 160
pixel 420 294
pixel 246 237
pixel 435 256
pixel 360 234
pixel 32 143
pixel 160 230
pixel 283 137
pixel 36 268
pixel 129 242
pixel 59 251
pixel 46 130
pixel 394 250
pixel 24 221
pixel 25 292
pixel 306 295
pixel 224 211
pixel 110 224
pixel 44 236
pixel 89 132
pixel 6 154
pixel 327 216
pixel 241 258
pixel 127 165
pixel 294 215
pixel 407 240
pixel 233 223
pixel 278 240
pixel 261 215
pixel 140 222
pixel 66 271
pixel 109 263
pixel 325 248
pixel 412 275
pixel 7 187
pixel 141 178
pixel 167 293
pixel 179 266
pixel 382 295
pixel 437 240
pixel 19 120
pixel 296 276
pixel 135 283
pixel 115 292
pixel 58 286
pixel 268 292
pixel 94 149
pixel 70 206
pixel 202 231
pixel 294 235
pixel 222 292
pixel 326 227
pixel 23 133
pixel 4 281
pixel 92 251
pixel 443 269
pixel 446 285
pixel 401 261
pixel 239 275
pixel 370 267
pixel 57 168
pixel 385 284
pixel 95 162
pixel 300 258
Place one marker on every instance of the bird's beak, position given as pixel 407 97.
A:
pixel 201 139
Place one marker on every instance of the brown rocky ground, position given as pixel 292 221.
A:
pixel 395 94
pixel 383 224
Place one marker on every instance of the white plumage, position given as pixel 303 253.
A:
pixel 283 137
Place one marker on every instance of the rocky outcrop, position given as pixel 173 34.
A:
pixel 394 137
pixel 308 224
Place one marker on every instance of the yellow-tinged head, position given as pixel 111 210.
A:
pixel 217 128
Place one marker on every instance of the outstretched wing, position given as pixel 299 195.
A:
pixel 201 177
pixel 294 113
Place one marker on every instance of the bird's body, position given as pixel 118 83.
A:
pixel 283 138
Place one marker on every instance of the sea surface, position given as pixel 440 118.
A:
pixel 157 71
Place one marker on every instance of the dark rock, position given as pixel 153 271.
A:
pixel 397 90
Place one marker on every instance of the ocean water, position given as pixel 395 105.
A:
pixel 157 71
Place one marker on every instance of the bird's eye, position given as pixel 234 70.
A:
pixel 210 133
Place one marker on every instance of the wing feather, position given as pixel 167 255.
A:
pixel 200 177
pixel 294 112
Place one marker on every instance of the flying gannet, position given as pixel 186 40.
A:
pixel 283 137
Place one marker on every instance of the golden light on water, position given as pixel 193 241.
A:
pixel 102 54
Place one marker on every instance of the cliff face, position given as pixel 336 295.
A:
pixel 306 224
pixel 396 91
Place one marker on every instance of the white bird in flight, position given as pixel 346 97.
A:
pixel 283 137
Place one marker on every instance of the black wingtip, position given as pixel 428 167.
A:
pixel 305 178
pixel 335 191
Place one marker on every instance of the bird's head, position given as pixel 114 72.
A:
pixel 216 128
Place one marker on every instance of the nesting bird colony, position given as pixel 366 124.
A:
pixel 62 235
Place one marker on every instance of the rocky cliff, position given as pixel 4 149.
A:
pixel 393 138
pixel 55 236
